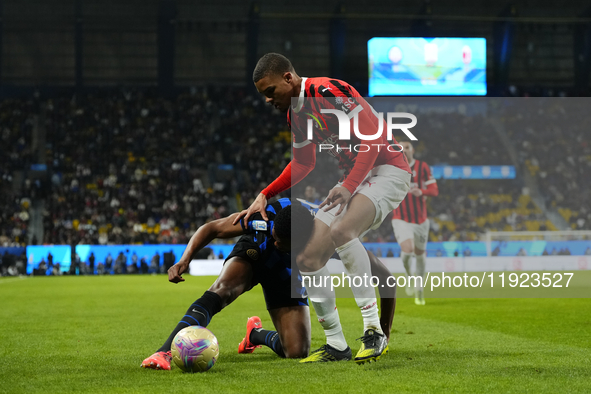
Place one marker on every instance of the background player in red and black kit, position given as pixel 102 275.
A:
pixel 375 181
pixel 410 223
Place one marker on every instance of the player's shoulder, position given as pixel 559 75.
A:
pixel 276 206
pixel 329 87
pixel 256 223
pixel 282 203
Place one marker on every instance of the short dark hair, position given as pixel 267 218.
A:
pixel 298 218
pixel 271 63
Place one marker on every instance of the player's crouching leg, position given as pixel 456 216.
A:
pixel 296 350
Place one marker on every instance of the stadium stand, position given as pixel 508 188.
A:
pixel 154 170
pixel 17 118
pixel 130 166
pixel 558 157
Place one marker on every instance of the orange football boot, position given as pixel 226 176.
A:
pixel 246 346
pixel 158 360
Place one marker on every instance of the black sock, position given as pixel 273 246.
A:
pixel 199 314
pixel 267 338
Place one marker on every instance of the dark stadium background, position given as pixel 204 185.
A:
pixel 127 122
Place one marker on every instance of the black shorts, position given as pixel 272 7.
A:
pixel 272 269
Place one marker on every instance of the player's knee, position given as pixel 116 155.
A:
pixel 307 263
pixel 419 252
pixel 296 350
pixel 406 250
pixel 341 235
pixel 407 246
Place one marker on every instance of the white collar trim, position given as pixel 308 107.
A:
pixel 301 97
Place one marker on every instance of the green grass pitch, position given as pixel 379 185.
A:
pixel 90 334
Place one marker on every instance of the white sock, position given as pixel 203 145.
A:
pixel 324 302
pixel 356 262
pixel 421 268
pixel 407 262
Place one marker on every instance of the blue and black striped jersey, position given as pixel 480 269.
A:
pixel 257 243
pixel 271 268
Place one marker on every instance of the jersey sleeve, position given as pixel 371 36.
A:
pixel 430 183
pixel 300 140
pixel 428 175
pixel 297 131
pixel 256 223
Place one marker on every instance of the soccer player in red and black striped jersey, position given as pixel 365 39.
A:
pixel 376 179
pixel 410 223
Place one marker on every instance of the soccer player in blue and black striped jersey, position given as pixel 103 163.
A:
pixel 261 255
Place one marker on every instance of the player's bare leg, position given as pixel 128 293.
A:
pixel 420 258
pixel 293 326
pixel 406 253
pixel 235 279
pixel 345 232
pixel 387 293
pixel 312 265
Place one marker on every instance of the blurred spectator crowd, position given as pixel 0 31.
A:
pixel 17 119
pixel 129 166
pixel 554 146
pixel 132 167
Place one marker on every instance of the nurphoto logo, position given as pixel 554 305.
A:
pixel 344 121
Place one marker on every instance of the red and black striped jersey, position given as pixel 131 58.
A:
pixel 414 209
pixel 329 93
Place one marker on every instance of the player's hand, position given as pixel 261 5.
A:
pixel 175 272
pixel 338 195
pixel 258 205
pixel 415 191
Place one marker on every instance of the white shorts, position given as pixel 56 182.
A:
pixel 419 232
pixel 385 185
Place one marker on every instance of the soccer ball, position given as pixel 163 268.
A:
pixel 195 349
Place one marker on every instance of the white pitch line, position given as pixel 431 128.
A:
pixel 13 280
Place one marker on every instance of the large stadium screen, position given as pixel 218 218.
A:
pixel 427 66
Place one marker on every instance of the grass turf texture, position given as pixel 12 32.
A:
pixel 90 334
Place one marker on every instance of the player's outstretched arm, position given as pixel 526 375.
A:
pixel 221 228
pixel 304 160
